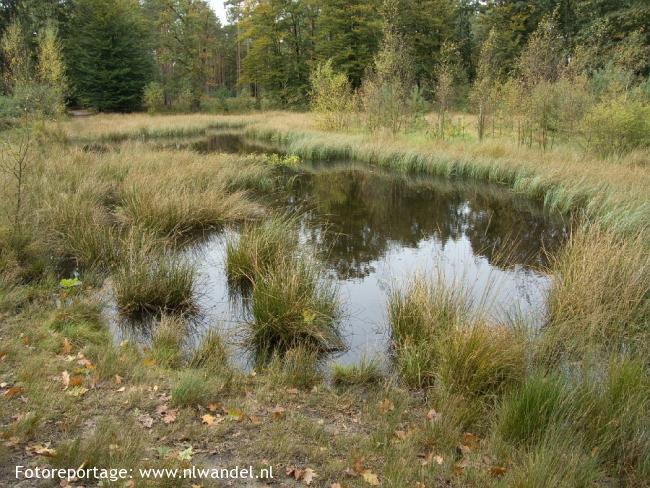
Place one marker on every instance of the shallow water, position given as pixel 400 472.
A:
pixel 374 229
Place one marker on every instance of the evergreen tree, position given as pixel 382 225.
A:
pixel 108 54
pixel 349 34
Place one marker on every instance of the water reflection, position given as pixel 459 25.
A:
pixel 356 215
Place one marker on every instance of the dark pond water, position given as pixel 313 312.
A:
pixel 374 229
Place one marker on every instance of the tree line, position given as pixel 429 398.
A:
pixel 122 55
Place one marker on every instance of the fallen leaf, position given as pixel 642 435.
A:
pixel 118 379
pixel 432 415
pixel 13 391
pixel 122 389
pixel 207 419
pixel 358 466
pixel 336 485
pixel 308 476
pixel 496 471
pixel 77 391
pixel 148 361
pixel 438 459
pixel 40 450
pixel 213 407
pixel 418 484
pixel 370 477
pixel 277 413
pixel 85 363
pixel 75 381
pixel 235 414
pixel 67 347
pixel 255 420
pixel 65 379
pixel 386 405
pixel 146 420
pixel 293 472
pixel 186 455
pixel 470 440
pixel 170 416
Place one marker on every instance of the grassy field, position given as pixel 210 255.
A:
pixel 468 403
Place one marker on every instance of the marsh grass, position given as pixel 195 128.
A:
pixel 600 296
pixel 80 322
pixel 212 353
pixel 193 388
pixel 150 280
pixel 294 304
pixel 366 372
pixel 260 248
pixel 297 367
pixel 112 443
pixel 167 341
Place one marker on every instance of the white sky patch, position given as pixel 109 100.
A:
pixel 220 10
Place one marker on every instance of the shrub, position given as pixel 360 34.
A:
pixel 154 97
pixel 331 96
pixel 618 125
pixel 294 305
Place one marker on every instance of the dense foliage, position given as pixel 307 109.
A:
pixel 188 60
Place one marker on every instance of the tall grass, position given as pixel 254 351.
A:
pixel 260 248
pixel 150 280
pixel 600 296
pixel 294 305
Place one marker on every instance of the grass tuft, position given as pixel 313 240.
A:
pixel 365 372
pixel 294 305
pixel 211 354
pixel 260 248
pixel 167 341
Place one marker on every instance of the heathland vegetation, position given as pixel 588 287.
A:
pixel 550 100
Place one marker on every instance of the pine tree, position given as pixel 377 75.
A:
pixel 108 54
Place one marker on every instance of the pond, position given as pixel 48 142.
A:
pixel 373 229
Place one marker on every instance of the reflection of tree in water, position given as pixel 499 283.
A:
pixel 356 215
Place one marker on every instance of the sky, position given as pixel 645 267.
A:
pixel 217 6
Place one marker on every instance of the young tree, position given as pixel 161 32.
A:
pixel 108 54
pixel 386 90
pixel 446 74
pixel 484 92
pixel 50 71
pixel 331 96
pixel 16 56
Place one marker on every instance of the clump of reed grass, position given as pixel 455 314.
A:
pixel 480 359
pixel 150 280
pixel 111 443
pixel 424 310
pixel 297 367
pixel 192 388
pixel 259 248
pixel 184 210
pixel 167 341
pixel 558 460
pixel 211 354
pixel 600 296
pixel 365 372
pixel 527 413
pixel 294 305
pixel 80 322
